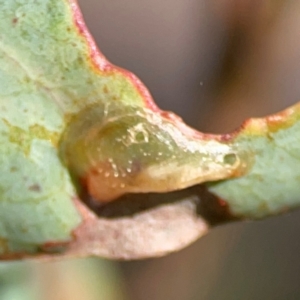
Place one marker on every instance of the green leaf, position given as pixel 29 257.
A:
pixel 76 131
pixel 272 183
pixel 65 109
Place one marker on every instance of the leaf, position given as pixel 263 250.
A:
pixel 66 110
pixel 77 132
pixel 271 185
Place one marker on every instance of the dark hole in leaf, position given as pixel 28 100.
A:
pixel 207 206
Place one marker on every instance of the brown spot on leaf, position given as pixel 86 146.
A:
pixel 54 247
pixel 105 90
pixel 146 225
pixel 35 187
pixel 4 246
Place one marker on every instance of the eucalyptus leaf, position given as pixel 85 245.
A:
pixel 272 184
pixel 77 132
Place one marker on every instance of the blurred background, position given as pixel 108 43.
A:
pixel 215 63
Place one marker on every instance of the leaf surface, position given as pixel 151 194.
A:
pixel 271 185
pixel 70 122
pixel 77 132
